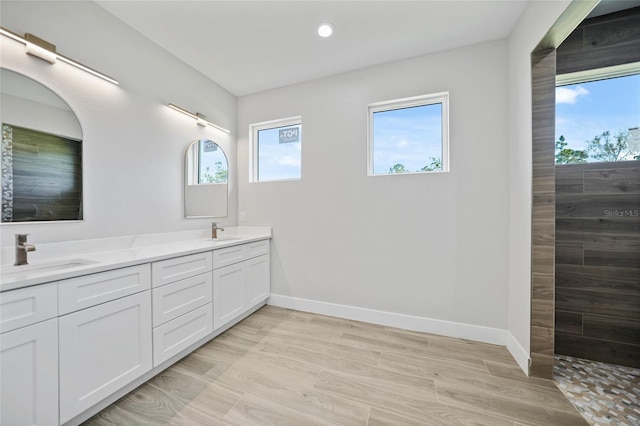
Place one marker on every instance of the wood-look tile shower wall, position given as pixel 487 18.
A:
pixel 42 176
pixel 597 267
pixel 542 212
pixel 597 297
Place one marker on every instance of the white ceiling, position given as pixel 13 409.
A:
pixel 252 46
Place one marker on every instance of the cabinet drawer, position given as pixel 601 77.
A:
pixel 257 248
pixel 175 299
pixel 90 290
pixel 25 306
pixel 174 336
pixel 179 268
pixel 230 255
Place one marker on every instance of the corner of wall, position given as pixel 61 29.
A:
pixel 535 22
pixel 519 353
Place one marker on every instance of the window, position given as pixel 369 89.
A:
pixel 597 116
pixel 409 135
pixel 276 150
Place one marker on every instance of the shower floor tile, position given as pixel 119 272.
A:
pixel 605 394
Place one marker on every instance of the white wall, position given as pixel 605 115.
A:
pixel 133 144
pixel 536 20
pixel 452 247
pixel 430 246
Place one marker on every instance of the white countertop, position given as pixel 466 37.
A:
pixel 98 255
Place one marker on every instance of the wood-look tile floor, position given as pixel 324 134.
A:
pixel 283 367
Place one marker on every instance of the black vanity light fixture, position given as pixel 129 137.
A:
pixel 201 120
pixel 46 51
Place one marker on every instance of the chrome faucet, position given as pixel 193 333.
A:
pixel 215 229
pixel 22 248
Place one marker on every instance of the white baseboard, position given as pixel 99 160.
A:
pixel 518 352
pixel 477 333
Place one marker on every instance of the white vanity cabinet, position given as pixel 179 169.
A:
pixel 240 280
pixel 106 346
pixel 182 308
pixel 71 347
pixel 29 356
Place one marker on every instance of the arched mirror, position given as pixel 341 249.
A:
pixel 206 187
pixel 41 153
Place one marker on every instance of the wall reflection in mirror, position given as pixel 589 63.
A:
pixel 206 186
pixel 41 153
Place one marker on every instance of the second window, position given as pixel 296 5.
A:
pixel 409 135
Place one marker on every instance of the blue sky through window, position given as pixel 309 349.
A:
pixel 408 136
pixel 278 161
pixel 585 110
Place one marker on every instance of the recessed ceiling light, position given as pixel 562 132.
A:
pixel 325 30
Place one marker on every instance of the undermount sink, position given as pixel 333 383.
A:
pixel 45 266
pixel 223 239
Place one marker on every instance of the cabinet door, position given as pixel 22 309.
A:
pixel 29 371
pixel 102 349
pixel 257 280
pixel 228 294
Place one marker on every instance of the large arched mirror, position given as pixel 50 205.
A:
pixel 41 153
pixel 206 173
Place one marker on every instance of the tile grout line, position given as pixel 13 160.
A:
pixel 484 362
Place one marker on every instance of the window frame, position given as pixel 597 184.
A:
pixel 403 103
pixel 596 74
pixel 254 150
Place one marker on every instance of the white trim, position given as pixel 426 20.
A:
pixel 414 101
pixel 519 353
pixel 253 144
pixel 477 333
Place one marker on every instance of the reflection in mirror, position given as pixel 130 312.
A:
pixel 206 171
pixel 41 153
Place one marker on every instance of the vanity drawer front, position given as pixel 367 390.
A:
pixel 228 256
pixel 175 299
pixel 90 290
pixel 26 306
pixel 179 268
pixel 235 254
pixel 176 335
pixel 257 248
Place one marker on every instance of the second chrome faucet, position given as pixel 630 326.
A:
pixel 215 229
pixel 22 248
